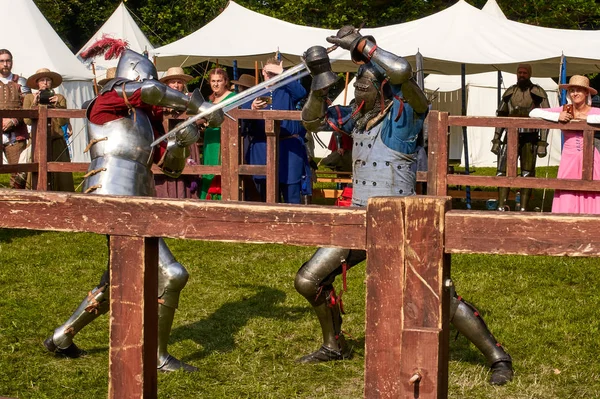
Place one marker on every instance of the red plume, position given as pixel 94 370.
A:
pixel 107 45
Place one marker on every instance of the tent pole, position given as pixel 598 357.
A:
pixel 255 72
pixel 346 87
pixel 95 81
pixel 465 140
pixel 499 87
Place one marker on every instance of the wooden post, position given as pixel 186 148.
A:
pixel 42 141
pixel 408 299
pixel 230 150
pixel 512 145
pixel 438 153
pixel 587 172
pixel 133 317
pixel 272 132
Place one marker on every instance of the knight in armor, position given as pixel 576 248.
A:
pixel 384 120
pixel 517 101
pixel 14 132
pixel 124 119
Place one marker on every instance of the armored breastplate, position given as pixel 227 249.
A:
pixel 10 95
pixel 121 157
pixel 520 103
pixel 379 170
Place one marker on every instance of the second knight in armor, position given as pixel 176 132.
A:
pixel 517 101
pixel 123 121
pixel 384 119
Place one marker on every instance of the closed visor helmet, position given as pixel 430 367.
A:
pixel 369 81
pixel 135 66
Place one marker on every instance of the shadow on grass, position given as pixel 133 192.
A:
pixel 216 333
pixel 7 235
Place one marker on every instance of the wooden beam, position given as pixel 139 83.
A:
pixel 522 233
pixel 152 217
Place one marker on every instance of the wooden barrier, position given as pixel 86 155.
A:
pixel 408 242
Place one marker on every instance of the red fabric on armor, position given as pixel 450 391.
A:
pixel 110 106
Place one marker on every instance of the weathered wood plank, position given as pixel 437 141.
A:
pixel 21 167
pixel 523 233
pixel 150 217
pixel 133 317
pixel 587 169
pixel 511 151
pixel 407 305
pixel 40 148
pixel 530 182
pixel 533 123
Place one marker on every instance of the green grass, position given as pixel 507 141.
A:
pixel 242 323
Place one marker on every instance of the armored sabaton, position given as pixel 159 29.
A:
pixel 121 165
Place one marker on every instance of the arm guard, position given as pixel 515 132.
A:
pixel 413 95
pixel 314 111
pixel 174 159
pixel 396 68
pixel 157 93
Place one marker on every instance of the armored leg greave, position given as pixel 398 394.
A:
pixel 95 304
pixel 468 322
pixel 314 281
pixel 172 277
pixel 501 171
pixel 528 160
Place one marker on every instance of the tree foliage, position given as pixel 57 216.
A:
pixel 165 21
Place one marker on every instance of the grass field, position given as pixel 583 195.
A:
pixel 243 325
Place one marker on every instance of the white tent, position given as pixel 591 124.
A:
pixel 255 38
pixel 34 45
pixel 481 90
pixel 460 34
pixel 120 25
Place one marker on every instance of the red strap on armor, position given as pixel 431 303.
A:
pixel 371 52
pixel 399 109
pixel 339 114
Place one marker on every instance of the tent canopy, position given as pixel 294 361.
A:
pixel 37 45
pixel 460 34
pixel 120 25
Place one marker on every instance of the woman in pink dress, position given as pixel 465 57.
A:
pixel 579 94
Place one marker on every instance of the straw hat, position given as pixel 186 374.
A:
pixel 579 81
pixel 176 73
pixel 44 73
pixel 110 75
pixel 245 80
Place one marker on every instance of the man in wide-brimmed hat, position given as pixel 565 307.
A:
pixel 176 78
pixel 44 80
pixel 517 101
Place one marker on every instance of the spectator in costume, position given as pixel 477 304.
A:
pixel 185 186
pixel 211 153
pixel 45 81
pixel 517 101
pixel 294 170
pixel 579 95
pixel 384 120
pixel 14 132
